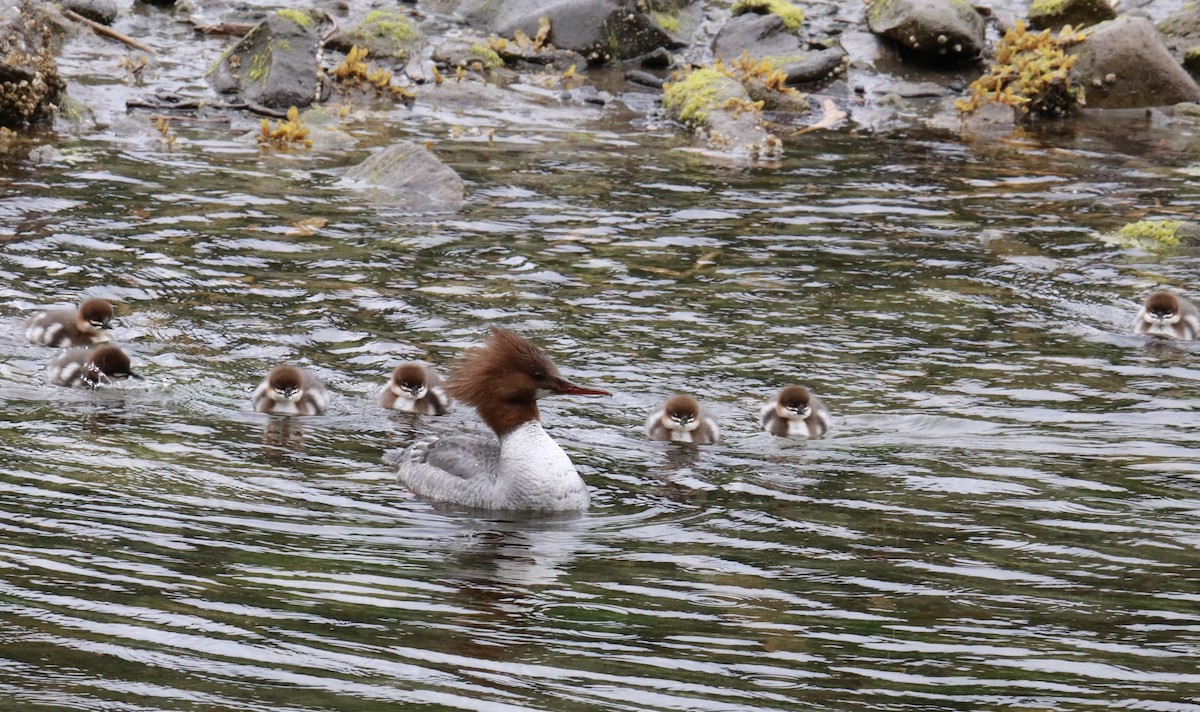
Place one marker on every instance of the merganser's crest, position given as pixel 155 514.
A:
pixel 414 389
pixel 522 469
pixel 1168 314
pixel 287 390
pixel 104 365
pixel 84 326
pixel 794 412
pixel 681 419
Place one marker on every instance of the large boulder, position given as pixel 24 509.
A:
pixel 406 174
pixel 30 85
pixel 275 65
pixel 942 32
pixel 1123 64
pixel 600 30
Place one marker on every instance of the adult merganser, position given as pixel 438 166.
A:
pixel 414 389
pixel 522 468
pixel 795 412
pixel 90 368
pixel 1168 314
pixel 84 326
pixel 288 390
pixel 681 419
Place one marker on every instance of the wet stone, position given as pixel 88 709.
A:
pixel 940 32
pixel 275 65
pixel 409 175
pixel 1123 64
pixel 102 11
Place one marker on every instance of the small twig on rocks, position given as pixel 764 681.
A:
pixel 191 119
pixel 184 105
pixel 108 31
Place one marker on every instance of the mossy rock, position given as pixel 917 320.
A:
pixel 1053 14
pixel 720 109
pixel 1124 64
pixel 275 64
pixel 385 34
pixel 791 16
pixel 1156 235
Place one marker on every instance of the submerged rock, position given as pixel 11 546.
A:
pixel 275 65
pixel 406 174
pixel 939 31
pixel 1156 235
pixel 30 84
pixel 600 30
pixel 383 33
pixel 1124 64
pixel 1053 14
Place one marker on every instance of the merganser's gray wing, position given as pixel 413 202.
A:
pixel 459 456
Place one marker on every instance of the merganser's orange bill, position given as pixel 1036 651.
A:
pixel 568 388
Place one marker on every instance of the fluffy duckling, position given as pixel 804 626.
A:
pixel 414 389
pixel 85 326
pixel 288 390
pixel 795 412
pixel 90 368
pixel 1168 314
pixel 681 419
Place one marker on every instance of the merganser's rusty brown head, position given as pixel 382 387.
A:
pixel 504 378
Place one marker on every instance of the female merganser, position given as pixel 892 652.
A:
pixel 521 469
pixel 795 412
pixel 414 389
pixel 681 419
pixel 90 368
pixel 288 390
pixel 84 326
pixel 1168 314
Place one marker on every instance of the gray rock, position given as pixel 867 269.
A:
pixel 600 30
pixel 1123 64
pixel 765 37
pixel 406 174
pixel 817 66
pixel 102 11
pixel 386 34
pixel 275 65
pixel 938 31
pixel 1053 14
pixel 30 84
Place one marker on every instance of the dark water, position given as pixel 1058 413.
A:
pixel 1004 517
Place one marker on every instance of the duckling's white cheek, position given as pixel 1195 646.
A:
pixel 421 393
pixel 397 390
pixel 692 425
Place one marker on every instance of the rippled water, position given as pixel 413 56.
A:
pixel 1005 514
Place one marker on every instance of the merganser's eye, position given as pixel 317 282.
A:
pixel 539 376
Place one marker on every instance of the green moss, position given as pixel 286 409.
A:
pixel 792 16
pixel 691 99
pixel 221 60
pixel 297 16
pixel 260 65
pixel 487 55
pixel 1149 234
pixel 392 25
pixel 1047 7
pixel 668 22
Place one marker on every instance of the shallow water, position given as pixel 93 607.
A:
pixel 1004 516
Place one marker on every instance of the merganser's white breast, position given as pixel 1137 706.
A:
pixel 525 470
